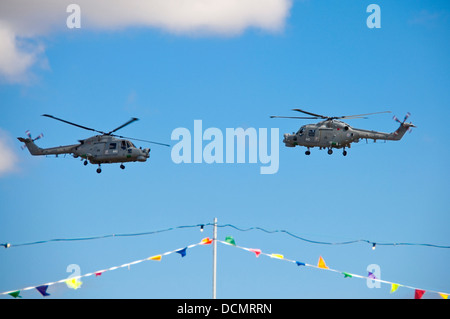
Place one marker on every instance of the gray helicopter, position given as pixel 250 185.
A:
pixel 99 149
pixel 333 133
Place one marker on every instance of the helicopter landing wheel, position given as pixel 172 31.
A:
pixel 99 169
pixel 308 152
pixel 344 153
pixel 85 163
pixel 122 166
pixel 330 151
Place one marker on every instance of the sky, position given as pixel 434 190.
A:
pixel 230 64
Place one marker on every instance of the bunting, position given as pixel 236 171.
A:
pixel 75 282
pixel 394 287
pixel 418 293
pixel 43 290
pixel 321 263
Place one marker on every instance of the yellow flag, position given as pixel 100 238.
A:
pixel 445 296
pixel 73 283
pixel 394 287
pixel 277 256
pixel 157 257
pixel 322 264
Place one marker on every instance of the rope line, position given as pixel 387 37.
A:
pixel 372 243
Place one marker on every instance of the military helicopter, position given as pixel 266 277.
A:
pixel 99 149
pixel 333 133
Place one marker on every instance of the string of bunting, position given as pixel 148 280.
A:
pixel 418 292
pixel 75 282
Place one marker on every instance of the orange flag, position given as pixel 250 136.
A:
pixel 321 263
pixel 157 257
pixel 206 241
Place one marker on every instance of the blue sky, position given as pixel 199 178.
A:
pixel 322 57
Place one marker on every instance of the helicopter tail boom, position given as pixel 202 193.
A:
pixel 394 136
pixel 36 150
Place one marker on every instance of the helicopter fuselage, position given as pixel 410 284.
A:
pixel 107 149
pixel 97 149
pixel 337 134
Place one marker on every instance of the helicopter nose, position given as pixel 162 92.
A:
pixel 289 140
pixel 144 154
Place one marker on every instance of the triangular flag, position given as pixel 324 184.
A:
pixel 182 252
pixel 15 294
pixel 322 264
pixel 445 296
pixel 277 256
pixel 206 241
pixel 394 287
pixel 347 275
pixel 256 251
pixel 73 283
pixel 300 263
pixel 43 290
pixel 230 240
pixel 418 294
pixel 98 273
pixel 157 257
pixel 371 276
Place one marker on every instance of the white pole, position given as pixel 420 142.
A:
pixel 214 258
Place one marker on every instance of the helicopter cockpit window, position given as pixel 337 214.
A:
pixel 311 132
pixel 129 144
pixel 112 146
pixel 300 131
pixel 123 145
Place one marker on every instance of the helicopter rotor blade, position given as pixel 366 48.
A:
pixel 77 125
pixel 360 115
pixel 137 139
pixel 406 117
pixel 312 114
pixel 123 125
pixel 295 117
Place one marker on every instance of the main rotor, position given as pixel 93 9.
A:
pixel 314 116
pixel 110 133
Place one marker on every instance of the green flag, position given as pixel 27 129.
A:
pixel 230 240
pixel 15 294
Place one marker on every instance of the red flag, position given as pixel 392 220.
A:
pixel 418 294
pixel 256 251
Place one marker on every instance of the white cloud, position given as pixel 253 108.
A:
pixel 8 158
pixel 27 19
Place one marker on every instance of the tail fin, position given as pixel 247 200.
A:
pixel 33 148
pixel 404 127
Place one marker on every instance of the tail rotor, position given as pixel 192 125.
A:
pixel 403 123
pixel 28 133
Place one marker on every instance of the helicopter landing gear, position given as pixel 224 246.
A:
pixel 85 162
pixel 330 151
pixel 99 169
pixel 122 166
pixel 344 152
pixel 308 152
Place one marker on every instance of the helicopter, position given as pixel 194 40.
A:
pixel 333 133
pixel 99 149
